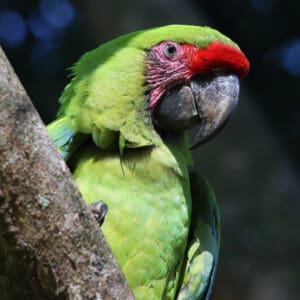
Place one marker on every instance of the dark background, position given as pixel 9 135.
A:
pixel 253 165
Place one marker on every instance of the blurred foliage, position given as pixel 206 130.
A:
pixel 253 165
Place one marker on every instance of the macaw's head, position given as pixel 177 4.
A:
pixel 191 85
pixel 173 78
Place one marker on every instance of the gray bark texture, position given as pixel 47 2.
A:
pixel 50 244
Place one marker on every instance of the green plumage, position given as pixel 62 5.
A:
pixel 162 223
pixel 149 212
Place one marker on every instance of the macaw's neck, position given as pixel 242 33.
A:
pixel 174 151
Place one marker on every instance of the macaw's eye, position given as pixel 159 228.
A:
pixel 170 50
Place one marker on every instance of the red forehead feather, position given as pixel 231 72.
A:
pixel 216 56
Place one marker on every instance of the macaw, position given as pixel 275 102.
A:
pixel 123 127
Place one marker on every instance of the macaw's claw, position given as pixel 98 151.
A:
pixel 99 209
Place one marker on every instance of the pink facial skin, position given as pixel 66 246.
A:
pixel 165 68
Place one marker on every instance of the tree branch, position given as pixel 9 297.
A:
pixel 50 246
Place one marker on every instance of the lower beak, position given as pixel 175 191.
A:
pixel 208 100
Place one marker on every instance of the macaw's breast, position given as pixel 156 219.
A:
pixel 148 197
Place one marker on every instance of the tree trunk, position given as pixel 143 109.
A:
pixel 50 244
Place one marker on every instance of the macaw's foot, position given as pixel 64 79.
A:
pixel 99 210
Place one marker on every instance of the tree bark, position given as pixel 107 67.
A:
pixel 50 244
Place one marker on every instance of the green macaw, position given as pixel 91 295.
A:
pixel 123 128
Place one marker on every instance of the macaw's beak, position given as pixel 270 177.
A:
pixel 207 100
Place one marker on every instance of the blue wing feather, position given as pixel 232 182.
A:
pixel 203 247
pixel 66 139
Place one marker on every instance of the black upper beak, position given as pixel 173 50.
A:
pixel 208 100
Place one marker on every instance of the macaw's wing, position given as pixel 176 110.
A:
pixel 66 139
pixel 203 246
